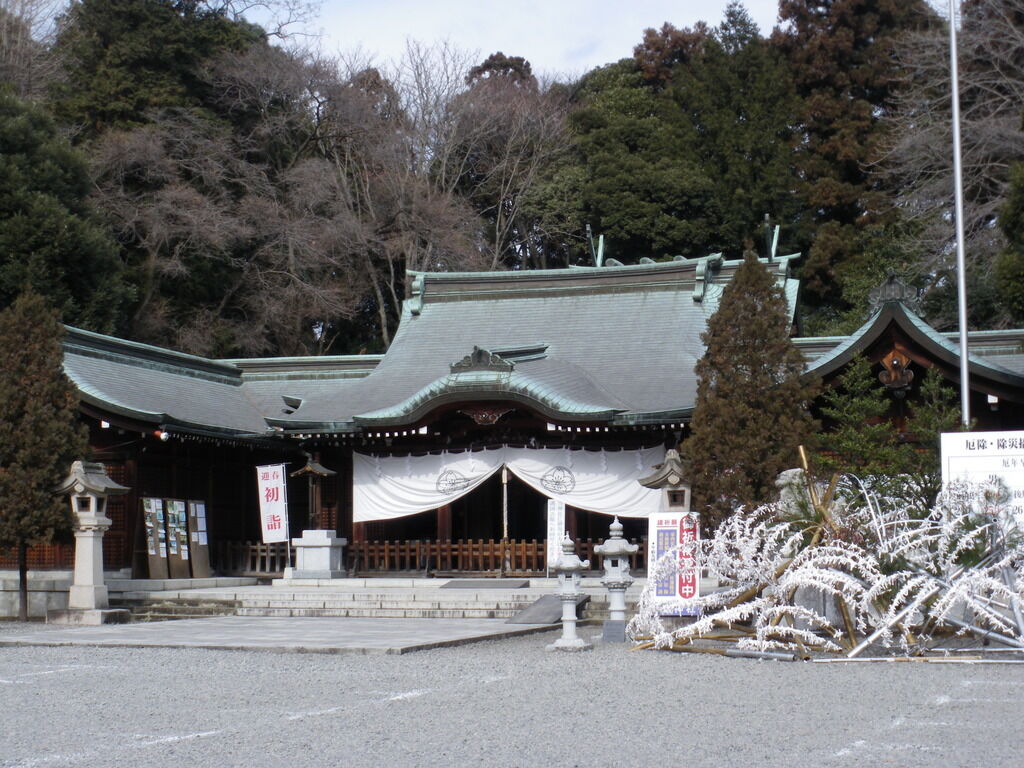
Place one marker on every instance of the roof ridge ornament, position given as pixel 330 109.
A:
pixel 482 360
pixel 894 289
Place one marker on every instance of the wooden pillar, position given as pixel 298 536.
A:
pixel 444 522
pixel 570 521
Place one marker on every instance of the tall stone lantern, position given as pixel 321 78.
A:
pixel 88 603
pixel 668 477
pixel 616 551
pixel 568 567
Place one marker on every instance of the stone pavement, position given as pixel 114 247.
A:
pixel 292 634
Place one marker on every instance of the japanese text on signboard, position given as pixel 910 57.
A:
pixel 273 494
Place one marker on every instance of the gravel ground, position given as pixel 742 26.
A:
pixel 505 702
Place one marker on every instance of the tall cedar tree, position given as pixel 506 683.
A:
pixel 40 434
pixel 752 403
pixel 840 54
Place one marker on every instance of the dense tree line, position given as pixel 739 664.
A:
pixel 225 191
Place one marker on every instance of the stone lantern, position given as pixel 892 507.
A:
pixel 668 477
pixel 616 551
pixel 568 567
pixel 89 486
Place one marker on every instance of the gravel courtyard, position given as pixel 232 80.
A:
pixel 500 703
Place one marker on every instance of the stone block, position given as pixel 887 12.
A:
pixel 91 618
pixel 614 632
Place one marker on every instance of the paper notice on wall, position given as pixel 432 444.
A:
pixel 983 458
pixel 202 538
pixel 152 548
pixel 272 487
pixel 163 549
pixel 184 551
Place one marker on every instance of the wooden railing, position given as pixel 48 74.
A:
pixel 246 558
pixel 424 556
pixel 469 555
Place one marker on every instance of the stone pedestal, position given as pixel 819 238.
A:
pixel 318 555
pixel 88 591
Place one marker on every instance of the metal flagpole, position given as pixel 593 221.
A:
pixel 958 186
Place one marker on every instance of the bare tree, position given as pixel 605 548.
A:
pixel 917 163
pixel 26 34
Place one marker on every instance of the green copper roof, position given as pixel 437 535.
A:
pixel 939 346
pixel 614 345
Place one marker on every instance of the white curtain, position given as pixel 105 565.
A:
pixel 599 481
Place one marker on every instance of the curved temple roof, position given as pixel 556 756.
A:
pixel 611 345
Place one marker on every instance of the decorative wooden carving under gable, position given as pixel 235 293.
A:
pixel 485 416
pixel 894 289
pixel 481 360
pixel 896 373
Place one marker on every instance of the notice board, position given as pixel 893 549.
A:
pixel 199 543
pixel 177 539
pixel 156 537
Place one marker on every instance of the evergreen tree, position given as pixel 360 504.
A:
pixel 40 434
pixel 124 60
pixel 643 187
pixel 858 435
pixel 840 54
pixel 49 237
pixel 752 403
pixel 1010 264
pixel 739 97
pixel 863 434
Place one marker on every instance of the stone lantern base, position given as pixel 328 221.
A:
pixel 569 644
pixel 614 631
pixel 91 617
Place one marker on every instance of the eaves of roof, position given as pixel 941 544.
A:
pixel 483 385
pixel 936 343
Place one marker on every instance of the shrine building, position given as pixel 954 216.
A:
pixel 500 391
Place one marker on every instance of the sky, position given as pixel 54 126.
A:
pixel 558 37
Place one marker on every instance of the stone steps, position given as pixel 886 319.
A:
pixel 369 599
pixel 163 609
pixel 384 613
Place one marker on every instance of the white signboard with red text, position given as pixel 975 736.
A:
pixel 273 491
pixel 666 532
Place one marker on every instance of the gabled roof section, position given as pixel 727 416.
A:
pixel 937 346
pixel 553 388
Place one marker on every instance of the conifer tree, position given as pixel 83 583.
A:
pixel 752 403
pixel 40 434
pixel 862 435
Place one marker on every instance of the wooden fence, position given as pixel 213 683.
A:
pixel 246 558
pixel 423 556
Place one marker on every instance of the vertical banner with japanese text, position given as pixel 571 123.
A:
pixel 273 491
pixel 667 532
pixel 556 530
